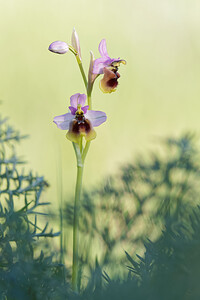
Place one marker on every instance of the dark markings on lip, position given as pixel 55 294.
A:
pixel 80 124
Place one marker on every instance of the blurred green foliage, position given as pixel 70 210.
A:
pixel 26 272
pixel 168 184
pixel 150 207
pixel 137 203
pixel 169 269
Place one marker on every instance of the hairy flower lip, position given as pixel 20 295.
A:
pixel 79 129
pixel 109 82
pixel 59 47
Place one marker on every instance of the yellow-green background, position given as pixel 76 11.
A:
pixel 158 95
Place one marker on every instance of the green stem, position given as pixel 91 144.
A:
pixel 85 151
pixel 81 145
pixel 61 235
pixel 80 65
pixel 80 157
pixel 89 93
pixel 82 70
pixel 72 50
pixel 89 90
pixel 89 101
pixel 76 227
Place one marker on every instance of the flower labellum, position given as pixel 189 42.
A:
pixel 75 42
pixel 109 67
pixel 80 121
pixel 58 47
pixel 109 82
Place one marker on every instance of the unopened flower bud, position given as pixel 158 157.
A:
pixel 75 42
pixel 58 47
pixel 91 75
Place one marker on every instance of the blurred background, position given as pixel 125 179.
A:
pixel 159 88
pixel 141 177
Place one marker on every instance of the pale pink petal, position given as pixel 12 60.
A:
pixel 82 99
pixel 77 99
pixel 101 63
pixel 103 48
pixel 96 117
pixel 73 110
pixel 63 121
pixel 85 108
pixel 74 100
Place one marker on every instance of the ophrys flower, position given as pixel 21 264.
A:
pixel 109 67
pixel 80 121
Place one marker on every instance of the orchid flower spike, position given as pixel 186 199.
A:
pixel 80 121
pixel 58 47
pixel 109 67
